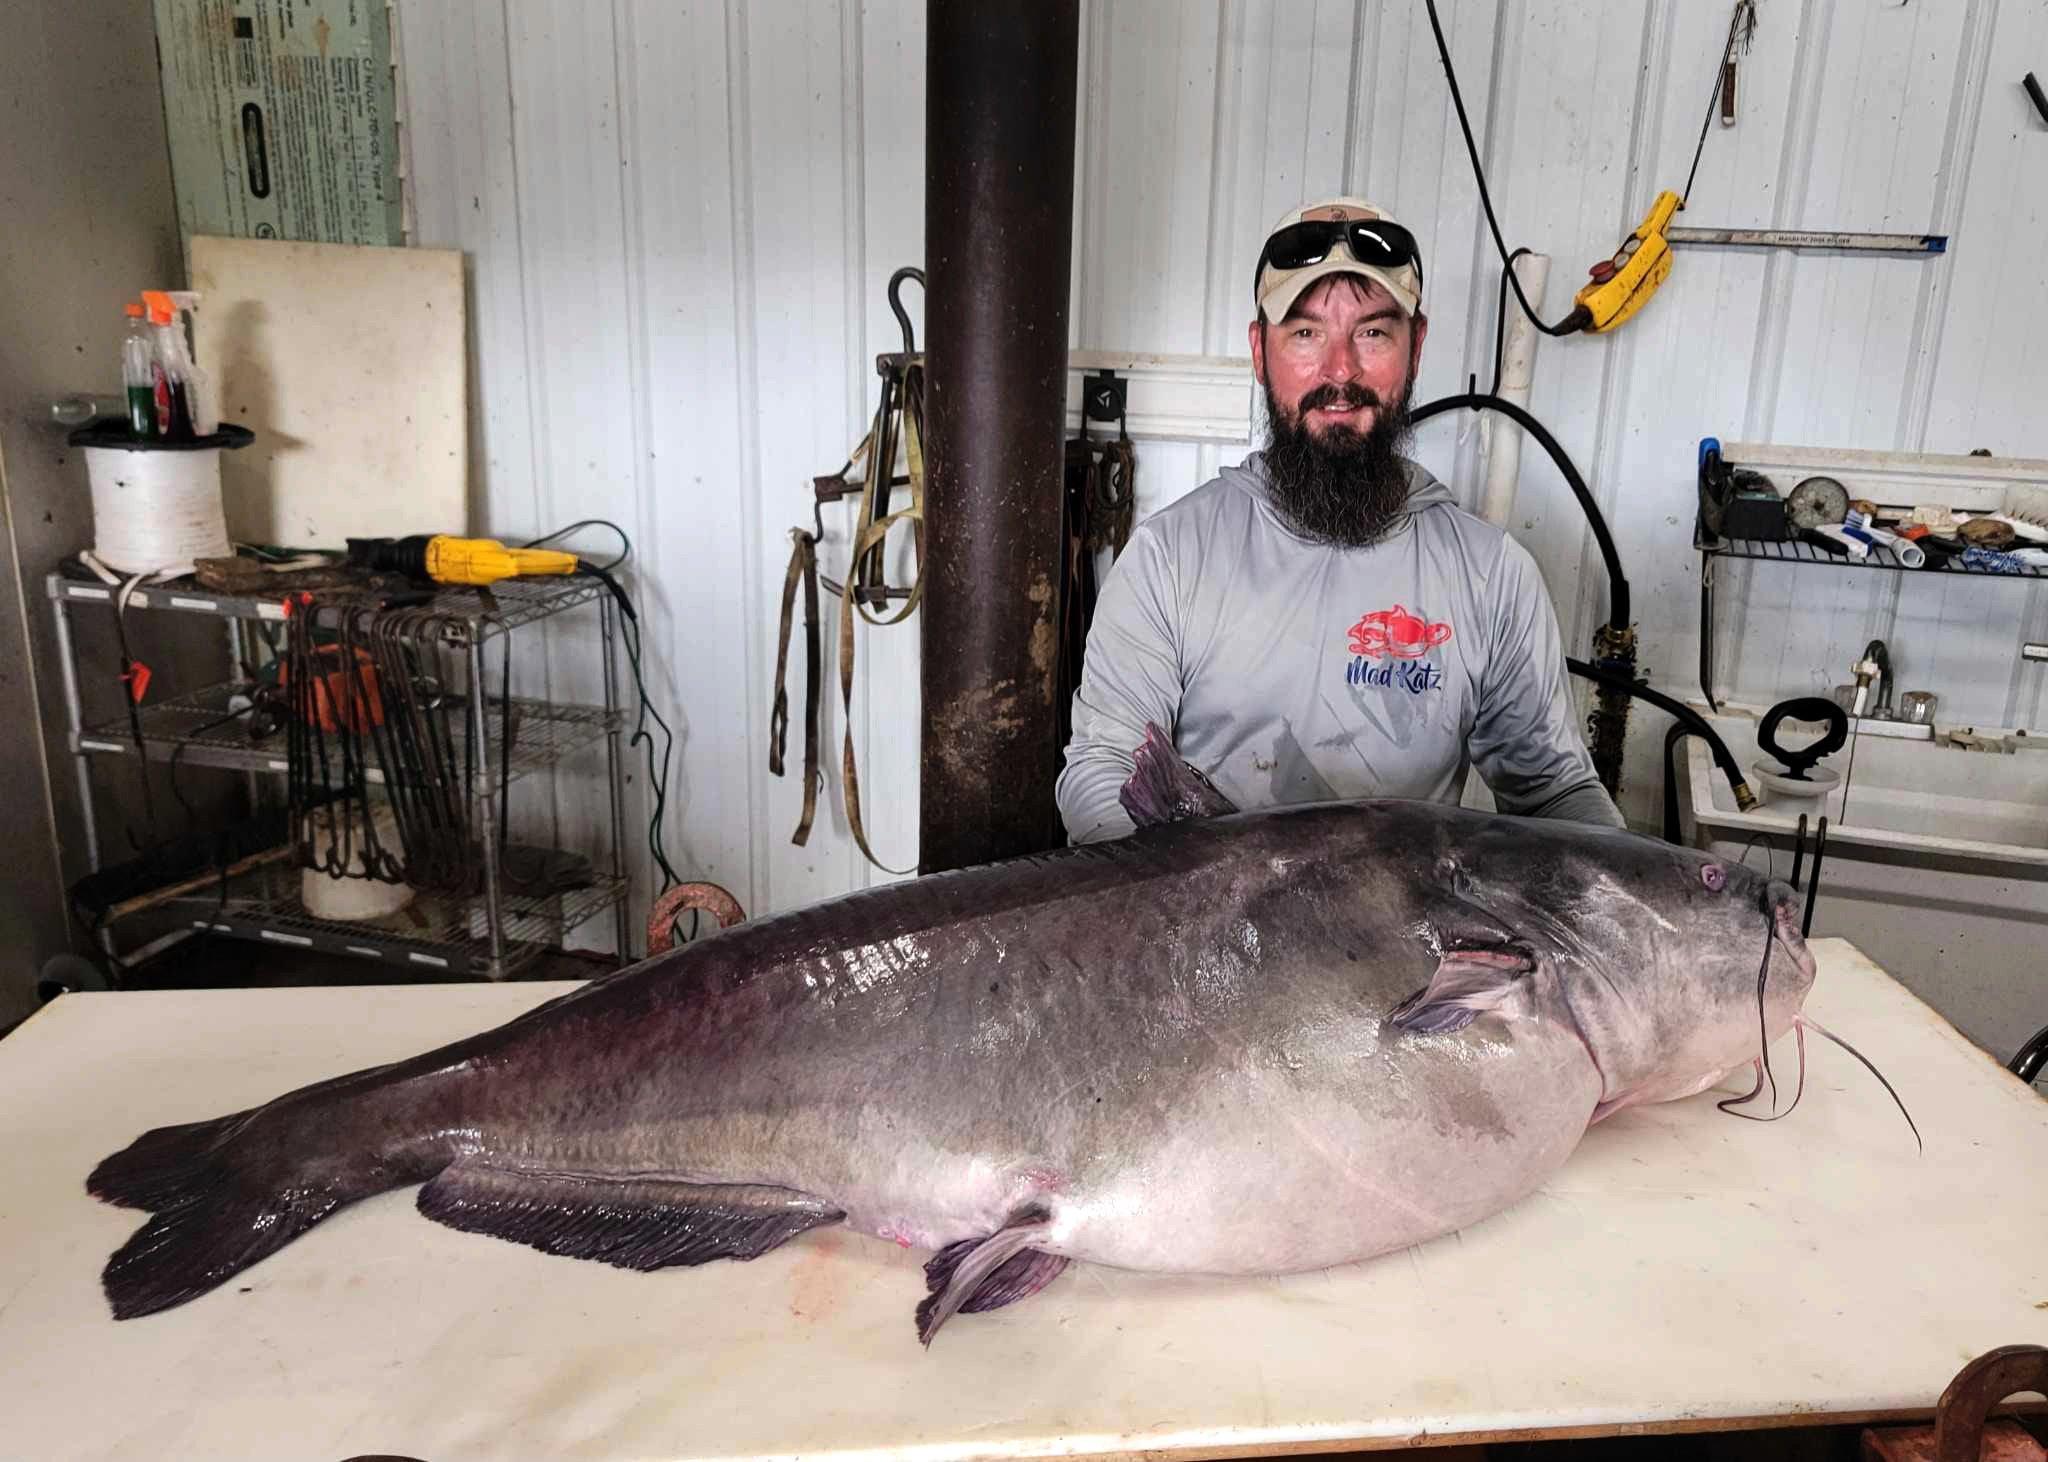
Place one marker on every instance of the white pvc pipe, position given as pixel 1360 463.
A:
pixel 1502 439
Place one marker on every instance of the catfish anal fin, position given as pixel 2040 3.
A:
pixel 1163 788
pixel 634 1223
pixel 985 1274
pixel 1466 982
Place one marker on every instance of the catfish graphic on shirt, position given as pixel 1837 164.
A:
pixel 1398 640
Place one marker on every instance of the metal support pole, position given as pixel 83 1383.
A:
pixel 999 187
pixel 621 923
pixel 483 794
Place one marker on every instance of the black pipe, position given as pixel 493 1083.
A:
pixel 1000 83
pixel 1617 582
pixel 1692 720
pixel 1820 847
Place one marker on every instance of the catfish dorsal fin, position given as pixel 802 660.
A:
pixel 1163 788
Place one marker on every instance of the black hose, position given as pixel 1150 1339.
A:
pixel 1617 582
pixel 2027 1062
pixel 1692 721
pixel 1678 732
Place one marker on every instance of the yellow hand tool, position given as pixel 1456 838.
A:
pixel 1623 284
pixel 442 558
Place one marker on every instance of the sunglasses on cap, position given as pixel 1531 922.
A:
pixel 1372 241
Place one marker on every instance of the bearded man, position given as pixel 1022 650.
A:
pixel 1323 621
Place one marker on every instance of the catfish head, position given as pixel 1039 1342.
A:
pixel 1673 966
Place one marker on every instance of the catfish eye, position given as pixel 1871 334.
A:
pixel 1715 877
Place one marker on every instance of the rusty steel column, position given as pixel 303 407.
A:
pixel 999 200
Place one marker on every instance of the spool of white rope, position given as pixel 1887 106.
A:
pixel 156 507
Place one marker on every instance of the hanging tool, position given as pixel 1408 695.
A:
pixel 898 423
pixel 1799 238
pixel 441 558
pixel 1622 284
pixel 1100 482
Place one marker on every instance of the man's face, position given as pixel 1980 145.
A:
pixel 1344 352
pixel 1337 374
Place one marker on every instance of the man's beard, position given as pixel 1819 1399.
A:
pixel 1344 487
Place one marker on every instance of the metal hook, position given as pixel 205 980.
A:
pixel 908 271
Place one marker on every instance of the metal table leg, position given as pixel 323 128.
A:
pixel 621 915
pixel 1707 630
pixel 484 794
pixel 74 711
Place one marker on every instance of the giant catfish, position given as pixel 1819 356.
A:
pixel 1230 1043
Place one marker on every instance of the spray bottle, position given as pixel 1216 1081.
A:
pixel 186 406
pixel 137 377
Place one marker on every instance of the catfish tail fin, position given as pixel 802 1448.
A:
pixel 222 1194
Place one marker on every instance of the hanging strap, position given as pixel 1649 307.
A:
pixel 803 567
pixel 870 534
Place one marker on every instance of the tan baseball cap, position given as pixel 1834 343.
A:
pixel 1398 267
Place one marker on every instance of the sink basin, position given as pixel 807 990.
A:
pixel 1936 863
pixel 1917 796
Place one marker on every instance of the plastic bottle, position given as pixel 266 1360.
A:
pixel 137 378
pixel 166 389
pixel 184 388
pixel 204 403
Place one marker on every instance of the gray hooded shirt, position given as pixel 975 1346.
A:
pixel 1288 670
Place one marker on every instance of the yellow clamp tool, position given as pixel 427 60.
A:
pixel 445 559
pixel 1623 284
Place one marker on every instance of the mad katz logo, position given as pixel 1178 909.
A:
pixel 1399 641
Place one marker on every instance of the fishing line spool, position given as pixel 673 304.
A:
pixel 156 505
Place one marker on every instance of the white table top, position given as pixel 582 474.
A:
pixel 1684 1270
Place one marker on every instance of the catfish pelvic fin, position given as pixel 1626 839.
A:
pixel 1163 788
pixel 988 1273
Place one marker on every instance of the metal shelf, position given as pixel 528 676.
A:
pixel 436 934
pixel 477 614
pixel 1796 552
pixel 543 733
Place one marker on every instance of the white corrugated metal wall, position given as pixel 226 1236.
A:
pixel 680 218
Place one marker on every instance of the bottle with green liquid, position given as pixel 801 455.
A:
pixel 138 378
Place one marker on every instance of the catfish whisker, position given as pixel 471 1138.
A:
pixel 1804 1019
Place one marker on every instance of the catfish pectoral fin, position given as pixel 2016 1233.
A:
pixel 1466 982
pixel 986 1274
pixel 634 1223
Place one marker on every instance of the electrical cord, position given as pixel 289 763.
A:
pixel 1578 319
pixel 131 699
pixel 629 633
pixel 625 548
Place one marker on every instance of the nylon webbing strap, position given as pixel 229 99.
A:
pixel 870 535
pixel 803 568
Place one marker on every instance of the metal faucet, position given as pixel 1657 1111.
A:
pixel 1876 664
